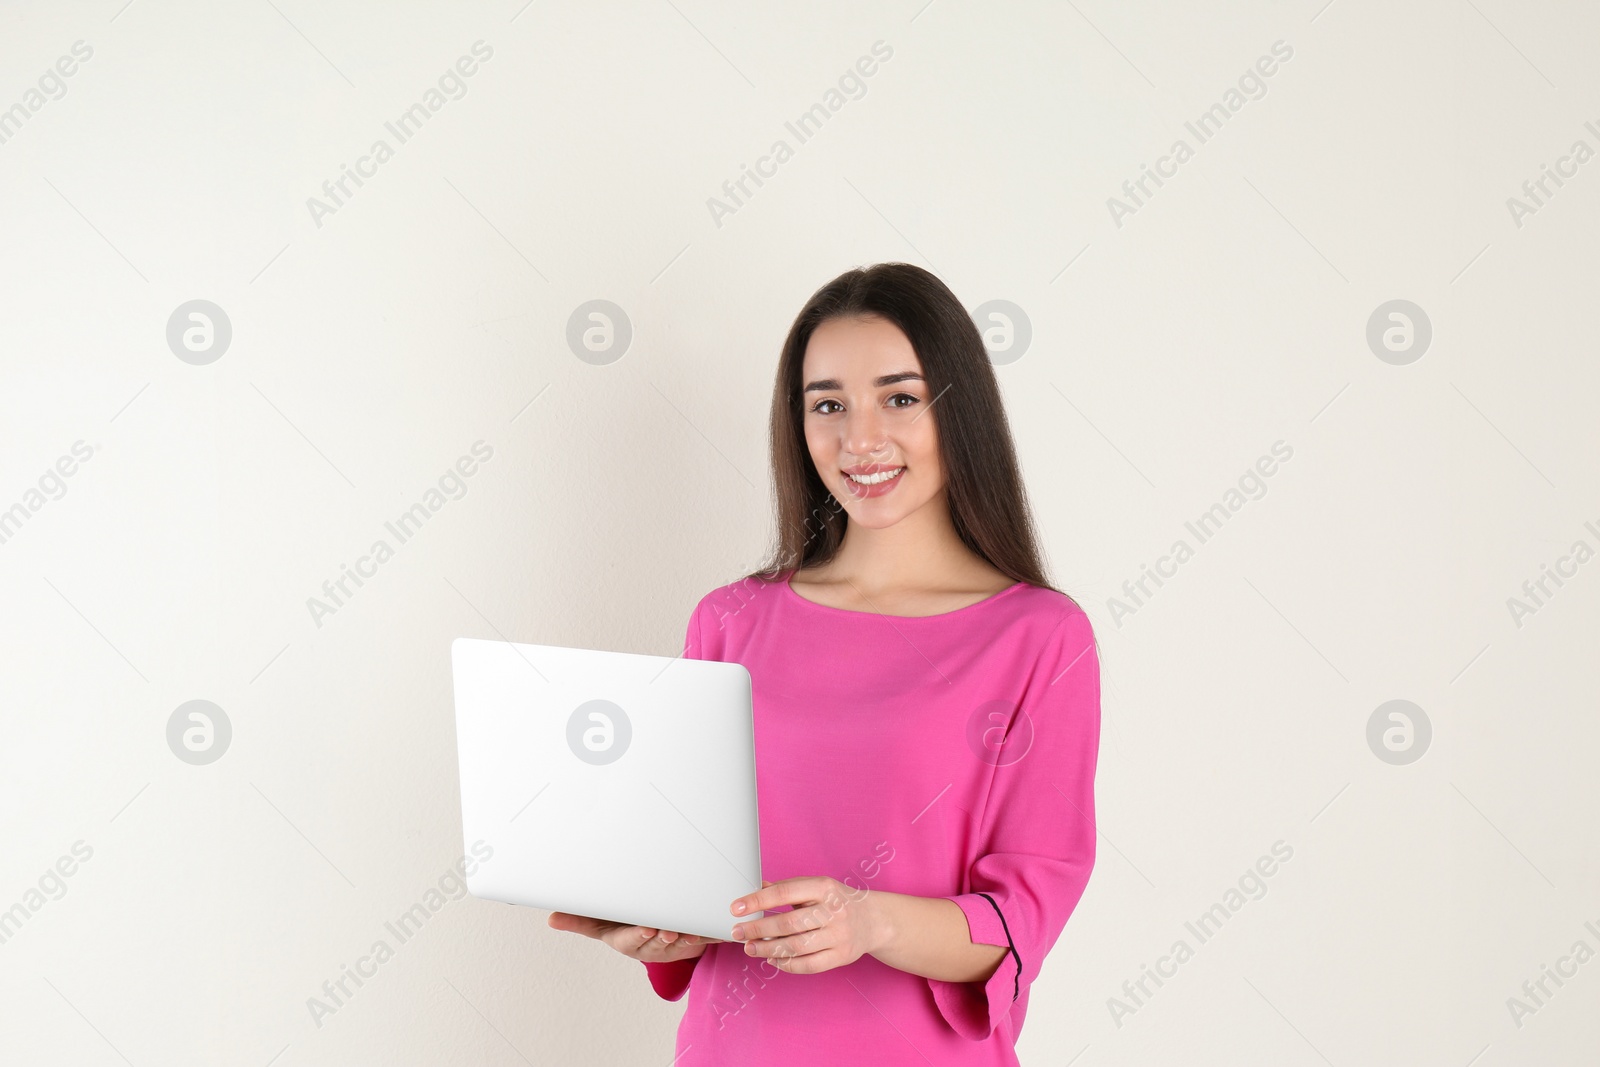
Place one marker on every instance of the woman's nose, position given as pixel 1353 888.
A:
pixel 864 437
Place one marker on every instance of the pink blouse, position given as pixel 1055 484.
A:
pixel 945 756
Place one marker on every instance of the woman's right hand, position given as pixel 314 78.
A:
pixel 644 943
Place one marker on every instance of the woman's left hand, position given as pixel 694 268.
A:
pixel 831 924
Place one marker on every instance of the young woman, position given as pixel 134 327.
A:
pixel 927 713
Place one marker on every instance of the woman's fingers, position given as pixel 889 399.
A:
pixel 689 940
pixel 580 924
pixel 560 920
pixel 667 943
pixel 649 943
pixel 641 942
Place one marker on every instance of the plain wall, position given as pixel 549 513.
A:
pixel 1171 347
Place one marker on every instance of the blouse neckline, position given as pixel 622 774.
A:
pixel 990 599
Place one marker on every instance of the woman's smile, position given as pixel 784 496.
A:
pixel 872 479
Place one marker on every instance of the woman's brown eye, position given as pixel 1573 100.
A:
pixel 905 396
pixel 817 407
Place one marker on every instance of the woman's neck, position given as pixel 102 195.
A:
pixel 920 553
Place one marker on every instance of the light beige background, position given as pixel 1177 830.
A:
pixel 1168 354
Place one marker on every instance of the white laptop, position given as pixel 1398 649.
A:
pixel 608 784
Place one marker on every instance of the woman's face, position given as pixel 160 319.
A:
pixel 868 413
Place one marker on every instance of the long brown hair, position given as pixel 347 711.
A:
pixel 983 483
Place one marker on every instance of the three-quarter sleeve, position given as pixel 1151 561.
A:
pixel 671 980
pixel 1036 842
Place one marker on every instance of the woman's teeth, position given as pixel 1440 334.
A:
pixel 874 479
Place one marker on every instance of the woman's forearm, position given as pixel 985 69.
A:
pixel 928 936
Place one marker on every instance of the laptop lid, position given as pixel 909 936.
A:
pixel 608 784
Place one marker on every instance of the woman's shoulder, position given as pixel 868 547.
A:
pixel 735 597
pixel 1045 600
pixel 1041 615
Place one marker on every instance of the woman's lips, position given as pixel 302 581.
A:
pixel 862 492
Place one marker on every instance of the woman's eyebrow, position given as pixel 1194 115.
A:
pixel 888 379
